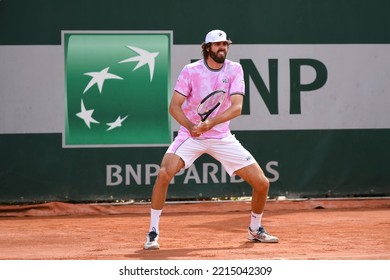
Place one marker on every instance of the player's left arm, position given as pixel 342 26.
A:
pixel 232 112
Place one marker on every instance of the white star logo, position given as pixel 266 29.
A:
pixel 86 115
pixel 144 57
pixel 99 78
pixel 116 124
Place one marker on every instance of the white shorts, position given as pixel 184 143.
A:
pixel 229 151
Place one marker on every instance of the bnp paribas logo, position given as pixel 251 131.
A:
pixel 117 88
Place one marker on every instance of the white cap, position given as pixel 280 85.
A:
pixel 216 36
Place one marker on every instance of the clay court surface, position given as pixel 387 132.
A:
pixel 348 229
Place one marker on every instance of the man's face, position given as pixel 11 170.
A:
pixel 218 51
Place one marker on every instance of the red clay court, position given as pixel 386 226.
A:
pixel 308 229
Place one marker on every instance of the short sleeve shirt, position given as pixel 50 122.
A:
pixel 197 80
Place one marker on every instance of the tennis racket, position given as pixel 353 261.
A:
pixel 210 103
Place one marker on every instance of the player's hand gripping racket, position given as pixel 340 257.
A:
pixel 210 103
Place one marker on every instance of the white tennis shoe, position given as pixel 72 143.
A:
pixel 261 235
pixel 151 241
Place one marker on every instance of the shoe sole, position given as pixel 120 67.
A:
pixel 152 247
pixel 262 241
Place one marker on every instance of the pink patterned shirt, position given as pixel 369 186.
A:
pixel 197 80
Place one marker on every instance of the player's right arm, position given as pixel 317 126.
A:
pixel 175 109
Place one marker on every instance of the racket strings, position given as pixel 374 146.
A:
pixel 210 103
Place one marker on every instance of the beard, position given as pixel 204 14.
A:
pixel 218 56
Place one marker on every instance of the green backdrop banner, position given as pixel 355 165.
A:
pixel 326 163
pixel 26 22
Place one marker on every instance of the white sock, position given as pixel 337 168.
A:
pixel 255 221
pixel 154 220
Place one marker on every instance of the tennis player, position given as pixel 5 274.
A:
pixel 213 136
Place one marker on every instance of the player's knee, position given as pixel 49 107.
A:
pixel 164 175
pixel 263 185
pixel 265 182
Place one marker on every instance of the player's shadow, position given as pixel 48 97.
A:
pixel 179 253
